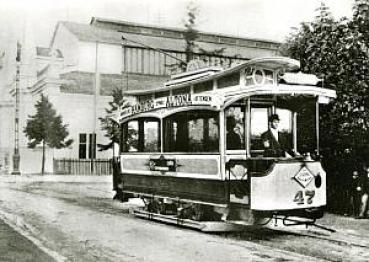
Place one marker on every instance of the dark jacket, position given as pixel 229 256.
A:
pixel 358 185
pixel 233 141
pixel 364 182
pixel 276 148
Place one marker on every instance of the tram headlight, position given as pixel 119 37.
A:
pixel 318 181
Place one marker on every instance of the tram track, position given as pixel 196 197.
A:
pixel 313 235
pixel 317 244
pixel 227 229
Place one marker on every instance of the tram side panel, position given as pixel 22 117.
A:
pixel 289 186
pixel 187 177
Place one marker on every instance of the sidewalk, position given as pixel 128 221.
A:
pixel 55 178
pixel 346 224
pixel 15 247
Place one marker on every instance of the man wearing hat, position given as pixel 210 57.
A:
pixel 274 142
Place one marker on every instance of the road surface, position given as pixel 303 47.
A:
pixel 75 219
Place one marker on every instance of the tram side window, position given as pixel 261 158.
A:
pixel 259 124
pixel 285 125
pixel 193 131
pixel 141 135
pixel 235 123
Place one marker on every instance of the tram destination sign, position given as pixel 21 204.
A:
pixel 169 102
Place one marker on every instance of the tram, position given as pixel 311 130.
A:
pixel 194 150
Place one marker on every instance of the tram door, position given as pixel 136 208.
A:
pixel 235 147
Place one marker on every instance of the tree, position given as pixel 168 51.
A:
pixel 109 127
pixel 46 127
pixel 191 33
pixel 337 52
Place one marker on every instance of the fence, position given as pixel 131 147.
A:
pixel 68 166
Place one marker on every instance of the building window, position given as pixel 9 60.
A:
pixel 82 146
pixel 92 146
pixel 140 60
pixel 85 144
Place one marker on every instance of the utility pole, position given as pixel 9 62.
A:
pixel 96 95
pixel 16 156
pixel 125 65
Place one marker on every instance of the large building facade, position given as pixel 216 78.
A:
pixel 85 62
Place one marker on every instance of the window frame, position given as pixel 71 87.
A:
pixel 141 135
pixel 243 106
pixel 210 114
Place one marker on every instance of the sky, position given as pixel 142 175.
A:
pixel 261 19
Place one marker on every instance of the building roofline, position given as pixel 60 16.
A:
pixel 175 29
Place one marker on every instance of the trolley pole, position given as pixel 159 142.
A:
pixel 16 156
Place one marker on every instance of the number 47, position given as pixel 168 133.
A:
pixel 300 197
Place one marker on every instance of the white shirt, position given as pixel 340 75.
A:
pixel 275 133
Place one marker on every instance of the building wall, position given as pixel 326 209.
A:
pixel 79 116
pixel 109 58
pixel 68 44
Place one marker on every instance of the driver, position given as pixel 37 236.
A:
pixel 275 143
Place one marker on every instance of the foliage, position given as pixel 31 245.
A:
pixel 108 126
pixel 337 51
pixel 46 127
pixel 191 33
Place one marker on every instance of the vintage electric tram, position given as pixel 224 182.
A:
pixel 193 148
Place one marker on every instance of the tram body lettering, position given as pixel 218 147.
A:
pixel 207 99
pixel 301 196
pixel 179 100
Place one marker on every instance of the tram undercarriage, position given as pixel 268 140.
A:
pixel 221 218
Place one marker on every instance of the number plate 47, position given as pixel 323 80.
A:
pixel 304 196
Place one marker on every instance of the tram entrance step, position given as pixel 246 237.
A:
pixel 205 226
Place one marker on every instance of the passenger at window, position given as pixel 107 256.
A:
pixel 132 141
pixel 274 142
pixel 233 137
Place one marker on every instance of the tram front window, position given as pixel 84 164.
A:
pixel 298 133
pixel 277 139
pixel 192 131
pixel 271 134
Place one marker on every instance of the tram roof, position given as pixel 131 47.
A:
pixel 297 85
pixel 220 100
pixel 206 74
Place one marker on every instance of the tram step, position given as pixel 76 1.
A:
pixel 205 226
